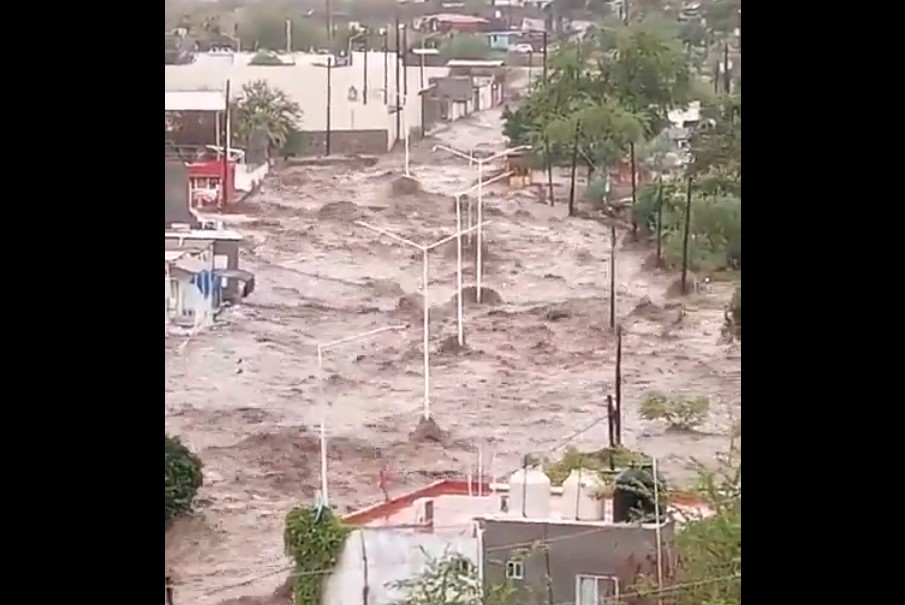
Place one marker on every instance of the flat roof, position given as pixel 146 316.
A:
pixel 204 234
pixel 475 63
pixel 194 100
pixel 456 18
pixel 456 508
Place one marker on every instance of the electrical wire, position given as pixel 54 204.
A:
pixel 516 545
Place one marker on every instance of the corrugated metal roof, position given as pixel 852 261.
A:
pixel 194 100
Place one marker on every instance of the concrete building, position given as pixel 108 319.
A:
pixel 224 246
pixel 355 125
pixel 191 291
pixel 499 528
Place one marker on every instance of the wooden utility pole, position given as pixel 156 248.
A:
pixel 727 75
pixel 660 222
pixel 611 421
pixel 685 236
pixel 634 189
pixel 574 165
pixel 329 103
pixel 612 277
pixel 619 385
pixel 226 136
pixel 545 54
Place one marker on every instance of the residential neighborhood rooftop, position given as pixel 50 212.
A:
pixel 206 234
pixel 194 100
pixel 456 506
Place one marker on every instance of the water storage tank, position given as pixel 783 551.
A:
pixel 529 493
pixel 633 498
pixel 582 495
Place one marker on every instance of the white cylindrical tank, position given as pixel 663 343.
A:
pixel 581 496
pixel 529 494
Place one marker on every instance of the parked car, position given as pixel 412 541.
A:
pixel 524 48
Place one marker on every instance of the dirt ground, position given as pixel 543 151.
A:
pixel 539 362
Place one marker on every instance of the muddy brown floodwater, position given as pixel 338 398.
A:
pixel 539 363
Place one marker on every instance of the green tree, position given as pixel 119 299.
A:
pixel 183 478
pixel 262 107
pixel 466 46
pixel 716 147
pixel 265 28
pixel 708 549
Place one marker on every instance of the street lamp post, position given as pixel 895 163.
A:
pixel 458 197
pixel 424 293
pixel 480 187
pixel 321 347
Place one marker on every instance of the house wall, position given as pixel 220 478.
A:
pixel 615 550
pixel 306 84
pixel 392 555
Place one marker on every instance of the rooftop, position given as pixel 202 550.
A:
pixel 203 234
pixel 474 63
pixel 455 18
pixel 457 506
pixel 194 100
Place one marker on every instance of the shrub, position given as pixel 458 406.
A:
pixel 314 539
pixel 183 478
pixel 599 460
pixel 683 413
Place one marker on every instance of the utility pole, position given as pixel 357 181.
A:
pixel 574 165
pixel 364 93
pixel 226 141
pixel 685 236
pixel 405 67
pixel 329 102
pixel 634 188
pixel 660 223
pixel 619 385
pixel 612 277
pixel 398 115
pixel 727 75
pixel 545 55
pixel 386 66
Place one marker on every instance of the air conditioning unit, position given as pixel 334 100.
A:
pixel 424 511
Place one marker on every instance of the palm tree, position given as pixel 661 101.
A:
pixel 261 108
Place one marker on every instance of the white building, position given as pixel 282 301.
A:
pixel 191 290
pixel 395 540
pixel 304 79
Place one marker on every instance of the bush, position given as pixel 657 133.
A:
pixel 314 538
pixel 599 460
pixel 684 413
pixel 183 478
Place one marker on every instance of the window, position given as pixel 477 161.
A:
pixel 596 590
pixel 515 570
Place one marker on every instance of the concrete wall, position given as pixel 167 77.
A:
pixel 392 555
pixel 349 141
pixel 616 550
pixel 306 84
pixel 247 177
